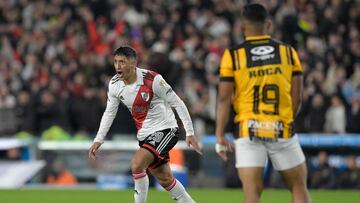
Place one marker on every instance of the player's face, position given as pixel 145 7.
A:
pixel 125 68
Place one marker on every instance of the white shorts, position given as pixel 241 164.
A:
pixel 284 154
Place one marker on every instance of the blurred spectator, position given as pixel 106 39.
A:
pixel 59 175
pixel 7 121
pixel 7 100
pixel 48 112
pixel 197 101
pixel 316 116
pixel 7 113
pixel 335 116
pixel 355 81
pixel 354 119
pixel 322 176
pixel 350 178
pixel 24 112
pixel 87 111
pixel 13 154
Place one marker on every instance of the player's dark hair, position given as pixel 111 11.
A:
pixel 255 13
pixel 126 51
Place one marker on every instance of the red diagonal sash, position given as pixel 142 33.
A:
pixel 143 99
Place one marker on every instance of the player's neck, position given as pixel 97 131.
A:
pixel 255 33
pixel 132 79
pixel 255 30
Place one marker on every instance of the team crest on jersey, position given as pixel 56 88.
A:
pixel 145 96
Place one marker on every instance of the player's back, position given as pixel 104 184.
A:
pixel 262 72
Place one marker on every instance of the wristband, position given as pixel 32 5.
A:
pixel 220 148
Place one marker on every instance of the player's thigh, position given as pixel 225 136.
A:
pixel 251 177
pixel 285 154
pixel 249 153
pixel 295 176
pixel 141 159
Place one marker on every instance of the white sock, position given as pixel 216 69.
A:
pixel 179 193
pixel 141 181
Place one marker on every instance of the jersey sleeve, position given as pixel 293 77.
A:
pixel 163 90
pixel 226 67
pixel 297 68
pixel 107 119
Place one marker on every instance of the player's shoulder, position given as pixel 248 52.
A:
pixel 147 74
pixel 115 79
pixel 114 82
pixel 237 46
pixel 276 41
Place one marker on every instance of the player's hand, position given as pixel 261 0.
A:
pixel 93 149
pixel 191 140
pixel 223 147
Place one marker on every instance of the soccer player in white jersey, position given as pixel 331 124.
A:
pixel 150 100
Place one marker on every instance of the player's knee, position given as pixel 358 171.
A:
pixel 136 166
pixel 164 179
pixel 255 188
pixel 299 185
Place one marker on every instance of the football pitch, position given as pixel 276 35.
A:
pixel 155 196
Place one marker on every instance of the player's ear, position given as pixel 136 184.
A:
pixel 133 62
pixel 242 26
pixel 268 25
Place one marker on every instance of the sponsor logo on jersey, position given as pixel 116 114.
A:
pixel 265 125
pixel 162 83
pixel 139 109
pixel 262 53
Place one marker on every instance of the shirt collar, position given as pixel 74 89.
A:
pixel 139 75
pixel 258 37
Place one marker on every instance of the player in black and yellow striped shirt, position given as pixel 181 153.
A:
pixel 262 70
pixel 262 77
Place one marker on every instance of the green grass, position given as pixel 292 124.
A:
pixel 200 195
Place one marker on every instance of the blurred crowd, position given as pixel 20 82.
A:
pixel 56 62
pixel 327 174
pixel 56 58
pixel 326 171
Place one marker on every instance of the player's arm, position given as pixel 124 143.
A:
pixel 107 119
pixel 296 84
pixel 222 116
pixel 163 90
pixel 296 92
pixel 223 105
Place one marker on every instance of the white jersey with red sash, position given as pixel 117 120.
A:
pixel 149 100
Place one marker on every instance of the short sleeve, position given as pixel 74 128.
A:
pixel 226 67
pixel 297 68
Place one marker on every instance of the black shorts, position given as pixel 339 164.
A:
pixel 159 144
